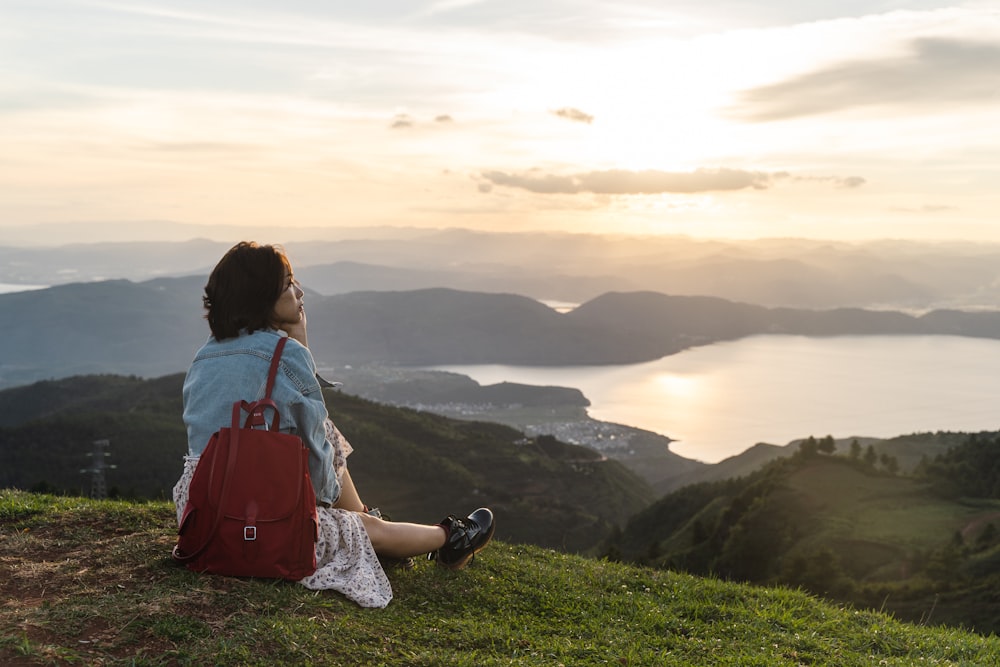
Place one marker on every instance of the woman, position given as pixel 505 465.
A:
pixel 251 299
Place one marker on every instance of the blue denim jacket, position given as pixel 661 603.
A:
pixel 235 369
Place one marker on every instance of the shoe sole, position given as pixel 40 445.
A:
pixel 461 563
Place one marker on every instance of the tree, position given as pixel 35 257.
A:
pixel 754 544
pixel 890 463
pixel 870 457
pixel 819 571
pixel 699 534
pixel 943 563
pixel 827 445
pixel 808 447
pixel 987 537
pixel 855 450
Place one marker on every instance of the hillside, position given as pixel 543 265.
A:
pixel 87 582
pixel 844 528
pixel 116 326
pixel 154 328
pixel 411 387
pixel 416 466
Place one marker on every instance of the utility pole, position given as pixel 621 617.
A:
pixel 98 485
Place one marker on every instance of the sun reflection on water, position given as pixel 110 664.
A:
pixel 677 386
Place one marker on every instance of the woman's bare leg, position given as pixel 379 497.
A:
pixel 402 540
pixel 349 498
pixel 390 538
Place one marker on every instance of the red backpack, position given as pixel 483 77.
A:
pixel 251 509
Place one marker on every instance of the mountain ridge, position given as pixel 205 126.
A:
pixel 154 327
pixel 549 266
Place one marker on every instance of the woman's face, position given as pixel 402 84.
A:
pixel 289 308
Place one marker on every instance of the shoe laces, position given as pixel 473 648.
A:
pixel 458 530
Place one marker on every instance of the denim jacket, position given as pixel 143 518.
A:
pixel 235 369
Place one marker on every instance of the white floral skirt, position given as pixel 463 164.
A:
pixel 345 559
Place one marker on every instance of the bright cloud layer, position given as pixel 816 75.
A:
pixel 826 119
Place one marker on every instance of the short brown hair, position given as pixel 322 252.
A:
pixel 244 287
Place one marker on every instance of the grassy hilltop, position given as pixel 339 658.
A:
pixel 90 582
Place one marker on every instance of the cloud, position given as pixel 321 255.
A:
pixel 213 147
pixel 31 98
pixel 935 73
pixel 444 6
pixel 848 182
pixel 575 115
pixel 926 208
pixel 401 121
pixel 622 182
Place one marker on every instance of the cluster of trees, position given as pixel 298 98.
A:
pixel 865 455
pixel 970 470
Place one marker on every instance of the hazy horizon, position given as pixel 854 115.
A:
pixel 824 120
pixel 63 234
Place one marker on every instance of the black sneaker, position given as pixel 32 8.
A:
pixel 466 538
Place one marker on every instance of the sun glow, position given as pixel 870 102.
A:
pixel 673 386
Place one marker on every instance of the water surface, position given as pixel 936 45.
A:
pixel 720 399
pixel 6 288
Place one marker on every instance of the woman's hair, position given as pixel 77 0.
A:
pixel 244 287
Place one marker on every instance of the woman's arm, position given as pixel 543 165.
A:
pixel 307 415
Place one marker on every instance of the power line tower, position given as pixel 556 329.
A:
pixel 98 484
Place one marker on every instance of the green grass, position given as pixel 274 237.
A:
pixel 897 512
pixel 91 583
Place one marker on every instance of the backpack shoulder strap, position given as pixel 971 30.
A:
pixel 272 372
pixel 255 410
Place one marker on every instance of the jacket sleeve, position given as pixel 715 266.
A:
pixel 308 416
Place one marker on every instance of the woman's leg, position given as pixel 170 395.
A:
pixel 349 498
pixel 390 539
pixel 402 540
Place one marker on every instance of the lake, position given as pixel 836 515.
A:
pixel 7 288
pixel 720 399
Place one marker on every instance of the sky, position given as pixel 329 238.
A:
pixel 836 119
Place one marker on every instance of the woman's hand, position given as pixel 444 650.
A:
pixel 290 311
pixel 297 330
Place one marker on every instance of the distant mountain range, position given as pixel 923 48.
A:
pixel 154 327
pixel 547 266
